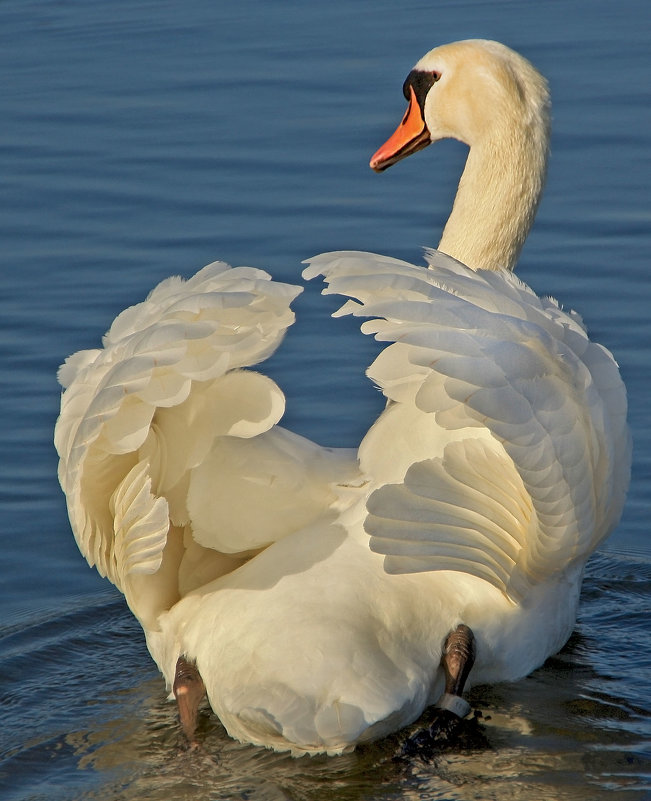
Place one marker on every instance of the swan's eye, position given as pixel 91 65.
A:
pixel 421 82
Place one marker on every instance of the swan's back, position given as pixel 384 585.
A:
pixel 499 464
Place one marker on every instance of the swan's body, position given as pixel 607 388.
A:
pixel 499 464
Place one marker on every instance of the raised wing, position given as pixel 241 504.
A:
pixel 525 419
pixel 168 447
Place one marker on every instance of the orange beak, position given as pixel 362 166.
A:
pixel 411 135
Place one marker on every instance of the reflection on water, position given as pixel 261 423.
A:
pixel 569 731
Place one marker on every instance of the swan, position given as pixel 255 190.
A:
pixel 319 597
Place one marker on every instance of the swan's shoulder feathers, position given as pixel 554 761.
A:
pixel 535 475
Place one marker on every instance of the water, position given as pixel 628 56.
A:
pixel 142 139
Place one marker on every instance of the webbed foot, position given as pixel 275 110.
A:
pixel 447 723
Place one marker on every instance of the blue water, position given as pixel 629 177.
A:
pixel 142 139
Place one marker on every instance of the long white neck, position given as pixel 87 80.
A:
pixel 498 195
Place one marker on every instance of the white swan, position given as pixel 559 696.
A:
pixel 499 464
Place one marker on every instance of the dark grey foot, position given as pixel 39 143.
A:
pixel 447 722
pixel 189 689
pixel 457 661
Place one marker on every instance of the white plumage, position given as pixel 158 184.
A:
pixel 314 587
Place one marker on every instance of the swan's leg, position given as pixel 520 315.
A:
pixel 189 689
pixel 457 661
pixel 448 713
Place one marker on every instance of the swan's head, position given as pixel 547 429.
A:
pixel 473 91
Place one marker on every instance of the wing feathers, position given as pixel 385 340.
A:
pixel 468 506
pixel 479 351
pixel 140 523
pixel 141 412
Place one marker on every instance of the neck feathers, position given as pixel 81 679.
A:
pixel 501 184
